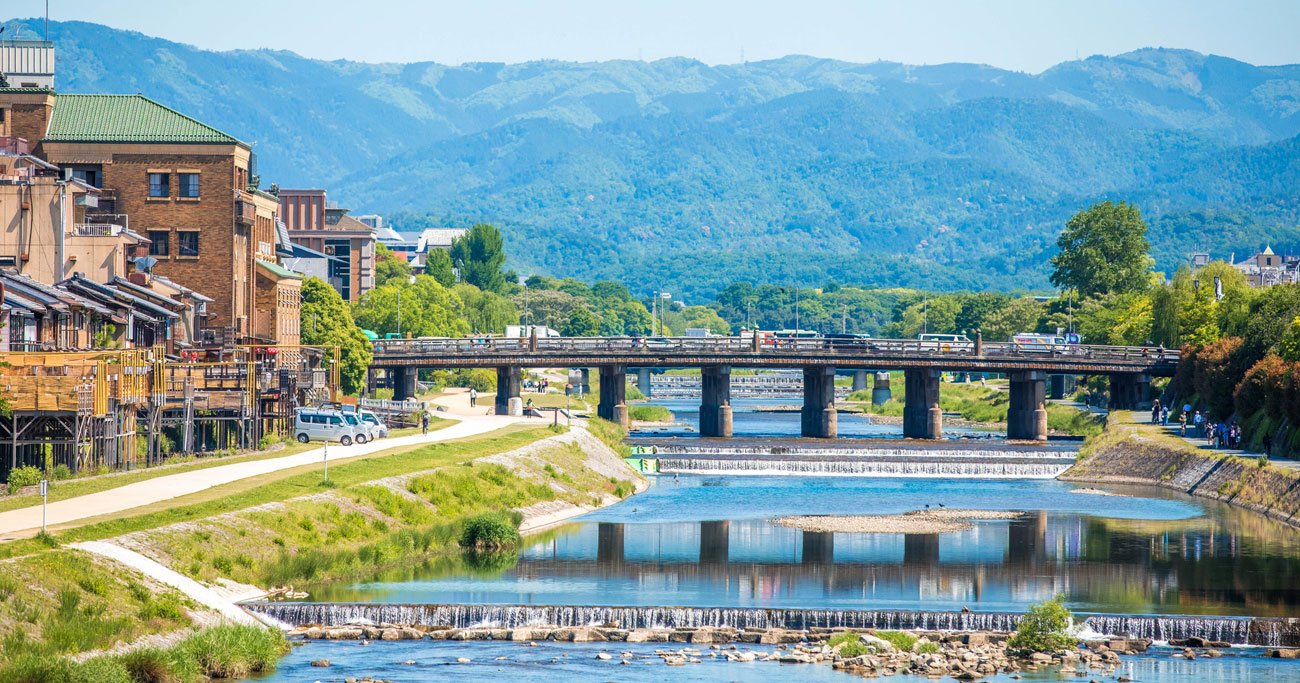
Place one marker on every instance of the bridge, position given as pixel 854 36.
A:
pixel 922 362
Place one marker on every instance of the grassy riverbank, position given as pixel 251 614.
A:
pixel 384 511
pixel 983 404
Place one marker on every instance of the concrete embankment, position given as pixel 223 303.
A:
pixel 1122 456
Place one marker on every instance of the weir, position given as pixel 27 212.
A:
pixel 1272 632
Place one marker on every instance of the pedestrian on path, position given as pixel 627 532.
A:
pixel 1155 411
pixel 1164 415
pixel 1198 421
pixel 424 422
pixel 1182 423
pixel 473 397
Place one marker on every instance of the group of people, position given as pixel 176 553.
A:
pixel 538 385
pixel 1217 435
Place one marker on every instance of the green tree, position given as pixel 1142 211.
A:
pixel 1200 322
pixel 976 308
pixel 437 265
pixel 480 256
pixel 931 315
pixel 1288 347
pixel 486 311
pixel 389 266
pixel 422 309
pixel 581 323
pixel 1019 315
pixel 1116 319
pixel 1166 317
pixel 1103 249
pixel 326 320
pixel 1044 628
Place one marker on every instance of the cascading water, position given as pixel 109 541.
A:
pixel 1238 631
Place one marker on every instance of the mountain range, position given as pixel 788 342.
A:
pixel 679 175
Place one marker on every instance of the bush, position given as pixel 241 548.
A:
pixel 489 531
pixel 156 665
pixel 850 644
pixel 22 477
pixel 234 651
pixel 61 472
pixel 900 640
pixel 928 648
pixel 1044 628
pixel 649 414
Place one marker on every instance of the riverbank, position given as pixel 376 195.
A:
pixel 1124 454
pixel 371 514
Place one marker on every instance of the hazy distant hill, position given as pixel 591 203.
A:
pixel 683 175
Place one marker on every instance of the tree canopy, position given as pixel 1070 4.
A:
pixel 326 320
pixel 1103 250
pixel 480 255
pixel 423 308
pixel 389 266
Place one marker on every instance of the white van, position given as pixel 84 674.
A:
pixel 946 343
pixel 311 424
pixel 378 430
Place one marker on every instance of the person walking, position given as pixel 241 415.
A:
pixel 1182 423
pixel 1164 415
pixel 1155 411
pixel 424 422
pixel 473 397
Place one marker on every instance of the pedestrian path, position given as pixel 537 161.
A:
pixel 26 522
pixel 1192 438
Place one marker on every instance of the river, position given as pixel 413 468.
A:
pixel 703 549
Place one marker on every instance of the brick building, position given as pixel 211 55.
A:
pixel 314 224
pixel 185 186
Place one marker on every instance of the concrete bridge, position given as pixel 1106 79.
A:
pixel 922 362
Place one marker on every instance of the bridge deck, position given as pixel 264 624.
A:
pixel 879 354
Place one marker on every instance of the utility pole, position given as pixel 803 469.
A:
pixel 796 311
pixel 399 313
pixel 925 315
pixel 844 320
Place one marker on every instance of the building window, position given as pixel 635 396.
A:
pixel 189 185
pixel 160 243
pixel 188 242
pixel 88 176
pixel 160 185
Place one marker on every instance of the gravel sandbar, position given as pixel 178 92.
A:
pixel 932 521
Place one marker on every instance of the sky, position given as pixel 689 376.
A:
pixel 1024 35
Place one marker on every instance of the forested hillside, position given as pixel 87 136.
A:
pixel 682 175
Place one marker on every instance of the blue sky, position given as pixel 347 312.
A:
pixel 1026 35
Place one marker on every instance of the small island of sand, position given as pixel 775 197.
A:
pixel 931 521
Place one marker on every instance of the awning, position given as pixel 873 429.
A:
pixel 278 271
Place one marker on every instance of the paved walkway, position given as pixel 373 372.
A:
pixel 26 522
pixel 1143 418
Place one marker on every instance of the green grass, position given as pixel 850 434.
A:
pixel 287 484
pixel 899 639
pixel 644 413
pixel 611 434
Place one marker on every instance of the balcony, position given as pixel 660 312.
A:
pixel 245 212
pixel 13 145
pixel 96 229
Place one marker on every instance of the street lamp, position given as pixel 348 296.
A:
pixel 664 297
pixel 399 313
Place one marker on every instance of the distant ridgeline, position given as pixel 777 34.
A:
pixel 676 173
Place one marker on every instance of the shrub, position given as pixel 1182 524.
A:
pixel 850 644
pixel 234 651
pixel 489 531
pixel 928 648
pixel 156 665
pixel 1044 628
pixel 900 640
pixel 23 476
pixel 61 472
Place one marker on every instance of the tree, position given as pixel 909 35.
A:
pixel 1103 249
pixel 1044 628
pixel 931 315
pixel 975 308
pixel 422 309
pixel 486 311
pixel 1200 323
pixel 1288 347
pixel 326 320
pixel 1020 315
pixel 389 266
pixel 480 256
pixel 1116 319
pixel 437 265
pixel 581 323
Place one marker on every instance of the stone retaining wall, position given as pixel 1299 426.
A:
pixel 1124 457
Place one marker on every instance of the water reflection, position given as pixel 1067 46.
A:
pixel 670 546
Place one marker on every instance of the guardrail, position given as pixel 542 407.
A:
pixel 694 346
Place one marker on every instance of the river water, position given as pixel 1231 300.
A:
pixel 777 417
pixel 702 549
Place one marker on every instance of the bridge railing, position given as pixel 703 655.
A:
pixel 632 346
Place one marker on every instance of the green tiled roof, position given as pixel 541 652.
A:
pixel 279 270
pixel 126 118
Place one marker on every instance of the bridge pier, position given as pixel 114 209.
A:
pixel 921 549
pixel 1027 411
pixel 1128 389
pixel 715 539
pixel 643 381
pixel 613 395
pixel 508 385
pixel 859 380
pixel 715 401
pixel 880 393
pixel 404 383
pixel 819 419
pixel 1056 387
pixel 922 418
pixel 1027 538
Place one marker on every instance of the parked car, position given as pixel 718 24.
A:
pixel 378 430
pixel 312 424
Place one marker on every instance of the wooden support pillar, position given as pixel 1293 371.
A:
pixel 508 385
pixel 715 402
pixel 1027 410
pixel 922 418
pixel 613 395
pixel 819 419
